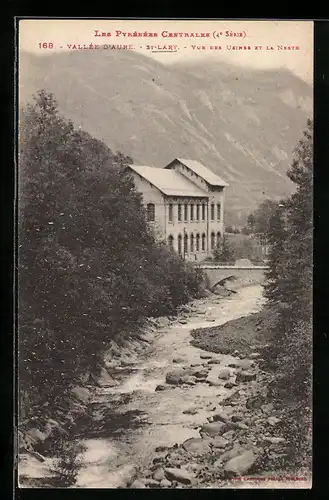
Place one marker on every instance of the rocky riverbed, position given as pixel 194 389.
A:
pixel 171 415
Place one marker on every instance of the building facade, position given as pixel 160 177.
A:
pixel 185 205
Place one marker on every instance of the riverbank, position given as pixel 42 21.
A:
pixel 166 393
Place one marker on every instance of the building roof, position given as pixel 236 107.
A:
pixel 202 171
pixel 169 182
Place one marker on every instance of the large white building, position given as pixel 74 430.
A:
pixel 185 205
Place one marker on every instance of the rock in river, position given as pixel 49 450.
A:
pixel 205 356
pixel 175 377
pixel 224 374
pixel 197 445
pixel 213 428
pixel 245 376
pixel 180 475
pixel 240 464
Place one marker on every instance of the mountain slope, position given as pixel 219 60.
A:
pixel 241 123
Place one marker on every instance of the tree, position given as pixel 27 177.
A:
pixel 289 284
pixel 89 268
pixel 258 221
pixel 276 238
pixel 224 252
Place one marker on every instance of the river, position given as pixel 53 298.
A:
pixel 145 418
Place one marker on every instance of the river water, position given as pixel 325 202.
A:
pixel 152 418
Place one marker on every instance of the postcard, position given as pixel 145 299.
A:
pixel 164 186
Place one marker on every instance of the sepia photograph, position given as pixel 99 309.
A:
pixel 165 253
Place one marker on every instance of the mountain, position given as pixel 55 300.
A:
pixel 242 123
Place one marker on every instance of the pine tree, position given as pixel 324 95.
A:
pixel 275 276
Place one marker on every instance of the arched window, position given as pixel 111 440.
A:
pixel 150 212
pixel 179 240
pixel 212 211
pixel 192 212
pixel 218 211
pixel 197 243
pixel 185 243
pixel 203 242
pixel 192 243
pixel 171 241
pixel 198 212
pixel 218 239
pixel 212 241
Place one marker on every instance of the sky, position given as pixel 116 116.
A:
pixel 270 37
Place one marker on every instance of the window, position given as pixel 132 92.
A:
pixel 171 241
pixel 218 239
pixel 192 243
pixel 185 212
pixel 198 212
pixel 212 241
pixel 203 241
pixel 185 244
pixel 218 211
pixel 192 212
pixel 197 243
pixel 150 209
pixel 212 211
pixel 170 212
pixel 179 212
pixel 203 212
pixel 179 244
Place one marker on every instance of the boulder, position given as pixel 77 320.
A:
pixel 266 408
pixel 229 385
pixel 189 380
pixel 197 445
pixel 221 417
pixel 152 482
pixel 178 360
pixel 160 387
pixel 191 411
pixel 240 465
pixel 200 374
pixel 137 484
pixel 273 420
pixel 205 356
pixel 219 442
pixel 254 355
pixel 165 483
pixel 213 428
pixel 224 374
pixel 228 435
pixel 233 452
pixel 245 376
pixel 255 402
pixel 214 362
pixel 175 377
pixel 158 475
pixel 179 475
pixel 81 393
pixel 244 364
pixel 214 383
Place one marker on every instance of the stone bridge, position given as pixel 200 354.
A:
pixel 244 275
